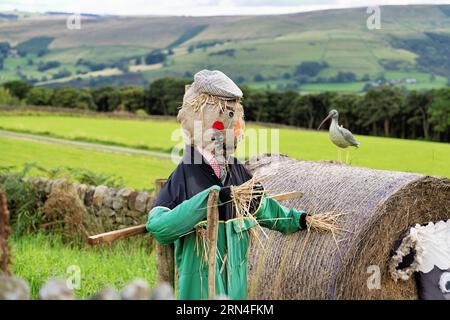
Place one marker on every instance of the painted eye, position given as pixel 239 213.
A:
pixel 231 114
pixel 444 282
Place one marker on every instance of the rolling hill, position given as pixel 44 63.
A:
pixel 411 48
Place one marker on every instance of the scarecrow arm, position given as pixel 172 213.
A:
pixel 271 214
pixel 168 225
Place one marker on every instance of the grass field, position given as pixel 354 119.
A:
pixel 375 152
pixel 137 172
pixel 151 134
pixel 38 257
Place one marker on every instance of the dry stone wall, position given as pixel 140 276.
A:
pixel 113 208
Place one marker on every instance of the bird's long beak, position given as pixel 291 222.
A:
pixel 324 120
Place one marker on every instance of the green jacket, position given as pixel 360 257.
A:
pixel 184 225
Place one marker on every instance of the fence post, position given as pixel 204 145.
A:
pixel 165 262
pixel 4 233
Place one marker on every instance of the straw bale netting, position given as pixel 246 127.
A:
pixel 379 207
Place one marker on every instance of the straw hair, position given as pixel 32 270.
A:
pixel 376 207
pixel 203 99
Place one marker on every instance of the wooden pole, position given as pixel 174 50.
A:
pixel 212 228
pixel 4 233
pixel 117 234
pixel 165 261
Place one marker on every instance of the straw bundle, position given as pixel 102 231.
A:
pixel 376 206
pixel 246 199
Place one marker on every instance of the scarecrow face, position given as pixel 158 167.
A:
pixel 425 251
pixel 204 119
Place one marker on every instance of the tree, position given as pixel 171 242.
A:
pixel 165 95
pixel 18 88
pixel 156 56
pixel 343 77
pixel 310 68
pixel 300 112
pixel 417 108
pixel 7 99
pixel 44 66
pixel 381 105
pixel 255 105
pixel 106 98
pixel 439 113
pixel 258 78
pixel 39 96
pixel 62 74
pixel 72 98
pixel 4 48
pixel 279 106
pixel 131 98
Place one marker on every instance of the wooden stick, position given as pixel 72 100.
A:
pixel 212 229
pixel 117 234
pixel 140 229
pixel 287 195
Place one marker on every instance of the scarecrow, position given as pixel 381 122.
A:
pixel 212 119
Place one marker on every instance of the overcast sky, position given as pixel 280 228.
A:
pixel 194 7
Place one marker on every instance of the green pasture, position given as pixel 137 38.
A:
pixel 375 152
pixel 150 134
pixel 333 87
pixel 38 257
pixel 97 54
pixel 138 172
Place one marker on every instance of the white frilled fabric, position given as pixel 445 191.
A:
pixel 431 243
pixel 434 240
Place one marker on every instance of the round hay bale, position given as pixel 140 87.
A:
pixel 379 206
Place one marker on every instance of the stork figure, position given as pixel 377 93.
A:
pixel 340 136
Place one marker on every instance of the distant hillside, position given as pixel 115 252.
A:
pixel 314 51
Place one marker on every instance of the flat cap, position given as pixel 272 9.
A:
pixel 216 83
